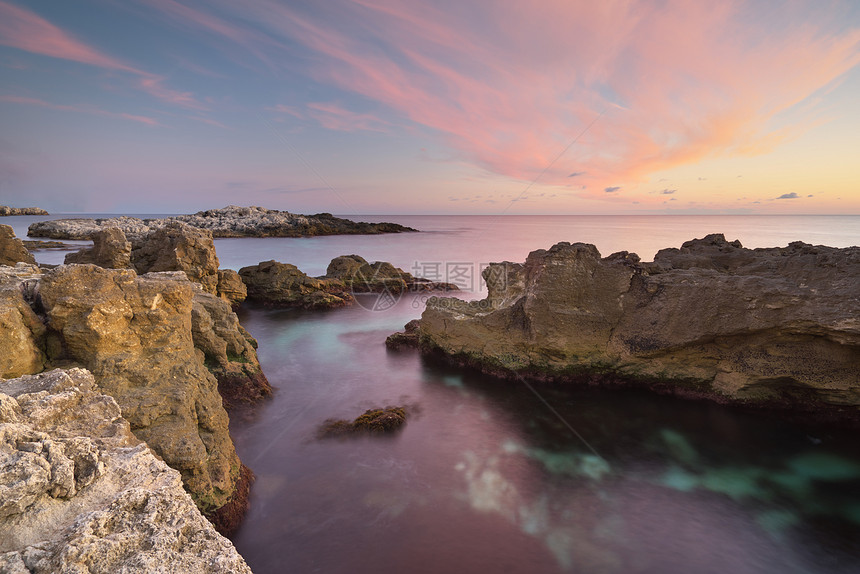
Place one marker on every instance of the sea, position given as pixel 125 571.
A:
pixel 493 476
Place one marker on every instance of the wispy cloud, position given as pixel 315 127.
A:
pixel 668 191
pixel 80 108
pixel 334 117
pixel 27 31
pixel 510 86
pixel 791 195
pixel 612 189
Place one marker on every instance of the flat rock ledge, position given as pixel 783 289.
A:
pixel 230 221
pixel 774 327
pixel 79 493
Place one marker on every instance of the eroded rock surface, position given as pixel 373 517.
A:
pixel 12 249
pixel 230 221
pixel 110 250
pixel 80 493
pixel 21 331
pixel 359 276
pixel 135 335
pixel 778 326
pixel 179 247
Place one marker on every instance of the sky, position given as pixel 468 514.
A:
pixel 431 107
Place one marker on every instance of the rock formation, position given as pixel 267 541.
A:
pixel 5 210
pixel 230 287
pixel 775 326
pixel 228 350
pixel 110 250
pixel 359 276
pixel 135 335
pixel 80 493
pixel 373 421
pixel 231 221
pixel 179 247
pixel 282 284
pixel 22 334
pixel 12 249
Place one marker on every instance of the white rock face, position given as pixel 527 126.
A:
pixel 80 494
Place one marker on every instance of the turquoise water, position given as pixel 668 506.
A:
pixel 487 476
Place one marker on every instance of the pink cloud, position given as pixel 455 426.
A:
pixel 27 31
pixel 333 117
pixel 513 84
pixel 85 109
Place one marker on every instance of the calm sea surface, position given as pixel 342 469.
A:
pixel 485 477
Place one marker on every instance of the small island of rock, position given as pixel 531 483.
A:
pixel 5 210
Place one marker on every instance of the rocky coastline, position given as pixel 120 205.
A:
pixel 774 328
pixel 6 210
pixel 230 221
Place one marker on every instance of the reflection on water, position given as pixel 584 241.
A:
pixel 485 478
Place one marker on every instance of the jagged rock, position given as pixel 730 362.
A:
pixel 135 335
pixel 21 331
pixel 230 221
pixel 229 350
pixel 179 247
pixel 110 250
pixel 409 338
pixel 12 249
pixel 230 287
pixel 5 210
pixel 282 284
pixel 776 326
pixel 359 276
pixel 79 493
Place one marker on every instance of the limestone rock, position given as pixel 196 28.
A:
pixel 179 247
pixel 282 284
pixel 230 287
pixel 230 221
pixel 110 250
pixel 79 493
pixel 373 421
pixel 21 331
pixel 12 249
pixel 135 335
pixel 6 210
pixel 229 350
pixel 777 326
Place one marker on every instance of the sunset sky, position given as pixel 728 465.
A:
pixel 406 106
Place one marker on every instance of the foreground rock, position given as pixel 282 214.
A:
pixel 80 493
pixel 373 421
pixel 160 345
pixel 12 249
pixel 178 247
pixel 231 221
pixel 775 327
pixel 5 210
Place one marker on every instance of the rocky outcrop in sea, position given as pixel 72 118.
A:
pixel 6 210
pixel 230 221
pixel 771 327
pixel 81 493
pixel 284 285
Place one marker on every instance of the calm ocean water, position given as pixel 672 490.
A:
pixel 485 477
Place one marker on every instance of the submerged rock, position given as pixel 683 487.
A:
pixel 6 210
pixel 81 493
pixel 775 326
pixel 381 420
pixel 12 249
pixel 230 221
